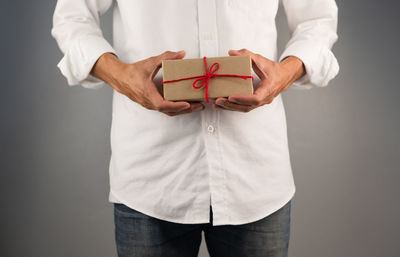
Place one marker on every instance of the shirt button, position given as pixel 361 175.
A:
pixel 210 128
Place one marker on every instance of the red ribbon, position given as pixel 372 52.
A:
pixel 206 77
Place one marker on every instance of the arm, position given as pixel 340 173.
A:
pixel 77 31
pixel 90 60
pixel 313 25
pixel 307 60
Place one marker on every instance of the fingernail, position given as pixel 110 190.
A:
pixel 220 102
pixel 184 108
pixel 198 108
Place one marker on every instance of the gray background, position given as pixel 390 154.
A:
pixel 344 143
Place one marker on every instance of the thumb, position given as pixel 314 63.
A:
pixel 243 51
pixel 169 55
pixel 233 52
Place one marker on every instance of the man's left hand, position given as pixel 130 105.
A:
pixel 275 77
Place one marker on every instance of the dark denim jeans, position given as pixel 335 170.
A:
pixel 139 235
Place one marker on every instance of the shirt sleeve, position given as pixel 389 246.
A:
pixel 313 24
pixel 76 28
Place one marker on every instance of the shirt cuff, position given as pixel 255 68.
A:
pixel 79 59
pixel 320 63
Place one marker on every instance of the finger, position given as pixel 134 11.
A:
pixel 256 60
pixel 167 55
pixel 159 103
pixel 236 108
pixel 255 99
pixel 260 94
pixel 166 107
pixel 254 57
pixel 169 106
pixel 251 100
pixel 244 99
pixel 242 51
pixel 226 104
pixel 193 108
pixel 216 106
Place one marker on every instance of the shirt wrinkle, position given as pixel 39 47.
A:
pixel 174 168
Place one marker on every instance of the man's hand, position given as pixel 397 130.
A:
pixel 135 80
pixel 275 78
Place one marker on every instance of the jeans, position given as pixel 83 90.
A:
pixel 139 235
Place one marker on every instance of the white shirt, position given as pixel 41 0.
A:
pixel 174 168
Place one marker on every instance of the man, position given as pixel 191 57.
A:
pixel 180 168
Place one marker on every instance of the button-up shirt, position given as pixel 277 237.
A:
pixel 174 168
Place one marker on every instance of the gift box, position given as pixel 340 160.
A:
pixel 204 78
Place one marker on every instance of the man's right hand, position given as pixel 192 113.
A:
pixel 135 80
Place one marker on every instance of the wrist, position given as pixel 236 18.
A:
pixel 293 67
pixel 108 68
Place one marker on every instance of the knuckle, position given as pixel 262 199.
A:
pixel 119 90
pixel 166 53
pixel 157 107
pixel 152 59
pixel 147 106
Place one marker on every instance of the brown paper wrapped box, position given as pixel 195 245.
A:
pixel 222 86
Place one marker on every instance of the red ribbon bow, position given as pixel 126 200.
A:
pixel 206 77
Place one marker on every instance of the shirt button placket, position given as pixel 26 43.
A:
pixel 210 128
pixel 208 44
